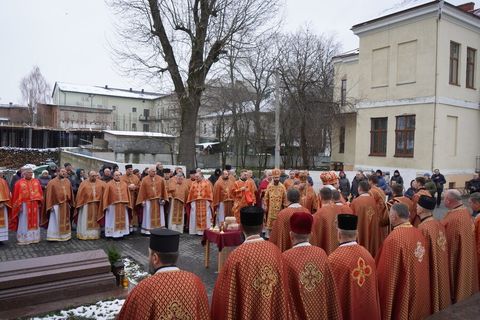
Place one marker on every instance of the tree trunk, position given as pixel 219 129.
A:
pixel 188 124
pixel 303 142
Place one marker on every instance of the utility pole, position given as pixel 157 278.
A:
pixel 277 121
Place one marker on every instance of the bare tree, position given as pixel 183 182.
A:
pixel 34 89
pixel 307 80
pixel 185 39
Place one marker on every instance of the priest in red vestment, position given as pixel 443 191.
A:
pixel 344 207
pixel 420 190
pixel 398 197
pixel 370 234
pixel 253 282
pixel 222 200
pixel 275 200
pixel 200 199
pixel 461 247
pixel 169 293
pixel 133 183
pixel 280 234
pixel 475 205
pixel 308 197
pixel 435 235
pixel 310 281
pixel 403 269
pixel 58 201
pixel 243 194
pixel 4 209
pixel 324 231
pixel 380 201
pixel 26 202
pixel 355 273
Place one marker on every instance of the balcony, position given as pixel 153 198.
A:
pixel 151 118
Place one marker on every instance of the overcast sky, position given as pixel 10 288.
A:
pixel 68 39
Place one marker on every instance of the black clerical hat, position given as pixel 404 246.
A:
pixel 193 171
pixel 228 167
pixel 164 240
pixel 251 216
pixel 427 202
pixel 347 221
pixel 167 170
pixel 128 166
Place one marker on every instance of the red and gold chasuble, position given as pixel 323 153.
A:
pixel 308 198
pixel 311 285
pixel 242 198
pixel 370 234
pixel 167 295
pixel 30 192
pixel 117 193
pixel 324 229
pixel 91 195
pixel 403 274
pixel 222 193
pixel 5 200
pixel 280 235
pixel 59 192
pixel 180 196
pixel 132 179
pixel 252 284
pixel 275 199
pixel 436 246
pixel 201 192
pixel 355 275
pixel 153 189
pixel 477 240
pixel 462 253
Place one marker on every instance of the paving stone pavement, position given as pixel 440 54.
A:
pixel 134 246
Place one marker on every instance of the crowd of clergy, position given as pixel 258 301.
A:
pixel 305 255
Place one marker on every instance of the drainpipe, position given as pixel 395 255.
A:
pixel 439 17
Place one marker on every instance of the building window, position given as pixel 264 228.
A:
pixel 114 108
pixel 145 128
pixel 342 140
pixel 204 128
pixel 134 109
pixel 343 93
pixel 471 55
pixel 114 126
pixel 454 57
pixel 146 113
pixel 378 137
pixel 405 136
pixel 134 127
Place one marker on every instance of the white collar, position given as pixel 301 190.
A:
pixel 302 244
pixel 167 269
pixel 364 195
pixel 329 186
pixel 295 205
pixel 348 244
pixel 339 203
pixel 254 238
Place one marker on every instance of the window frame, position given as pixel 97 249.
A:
pixel 341 147
pixel 378 132
pixel 470 68
pixel 343 92
pixel 405 133
pixel 454 61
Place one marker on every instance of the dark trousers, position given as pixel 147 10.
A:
pixel 439 196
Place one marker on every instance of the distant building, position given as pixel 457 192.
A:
pixel 410 94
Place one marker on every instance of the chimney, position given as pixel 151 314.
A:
pixel 467 7
pixel 10 103
pixel 142 90
pixel 106 86
pixel 130 89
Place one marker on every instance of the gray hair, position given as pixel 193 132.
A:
pixel 475 197
pixel 454 194
pixel 401 210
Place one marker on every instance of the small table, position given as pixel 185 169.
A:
pixel 227 239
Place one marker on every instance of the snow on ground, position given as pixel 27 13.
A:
pixel 133 271
pixel 102 310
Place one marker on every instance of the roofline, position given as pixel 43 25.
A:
pixel 363 24
pixel 155 95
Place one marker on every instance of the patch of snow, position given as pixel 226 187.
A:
pixel 97 90
pixel 102 310
pixel 29 149
pixel 133 271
